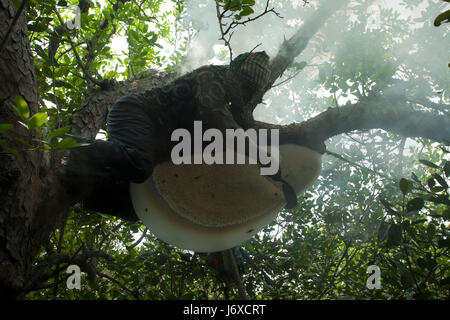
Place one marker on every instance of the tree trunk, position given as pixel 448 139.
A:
pixel 20 182
pixel 35 193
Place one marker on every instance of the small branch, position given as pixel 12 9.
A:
pixel 386 113
pixel 43 272
pixel 103 84
pixel 338 156
pixel 226 34
pixel 234 24
pixel 66 51
pixel 147 18
pixel 233 268
pixel 227 41
pixel 116 227
pixel 287 79
pixel 432 105
pixel 413 274
pixel 288 51
pixel 103 275
pixel 129 248
pixel 13 23
pixel 297 43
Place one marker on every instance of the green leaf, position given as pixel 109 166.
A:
pixel 53 142
pixel 21 108
pixel 445 282
pixel 388 206
pixel 431 183
pixel 67 143
pixel 415 178
pixel 428 164
pixel 441 18
pixel 59 132
pixel 22 141
pixel 5 127
pixel 383 231
pixel 441 180
pixel 431 230
pixel 13 151
pixel 405 185
pixel 61 83
pixel 37 120
pixel 447 169
pixel 37 27
pixel 446 214
pixel 40 52
pixel 246 11
pixel 394 235
pixel 444 243
pixel 415 205
pixel 300 65
pixel 233 5
pixel 422 263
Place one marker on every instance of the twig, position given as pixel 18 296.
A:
pixel 286 80
pixel 233 24
pixel 116 227
pixel 138 241
pixel 338 156
pixel 102 84
pixel 64 52
pixel 13 23
pixel 148 19
pixel 103 275
pixel 227 41
pixel 234 269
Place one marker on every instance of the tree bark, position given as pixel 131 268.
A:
pixel 20 181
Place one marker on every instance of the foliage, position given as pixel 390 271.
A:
pixel 391 209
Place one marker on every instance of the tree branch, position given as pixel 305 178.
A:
pixel 297 43
pixel 104 84
pixel 131 292
pixel 13 23
pixel 87 120
pixel 235 23
pixel 288 51
pixel 130 247
pixel 382 113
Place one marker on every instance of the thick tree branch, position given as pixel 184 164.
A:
pixel 382 113
pixel 289 50
pixel 91 116
pixel 297 43
pixel 44 272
